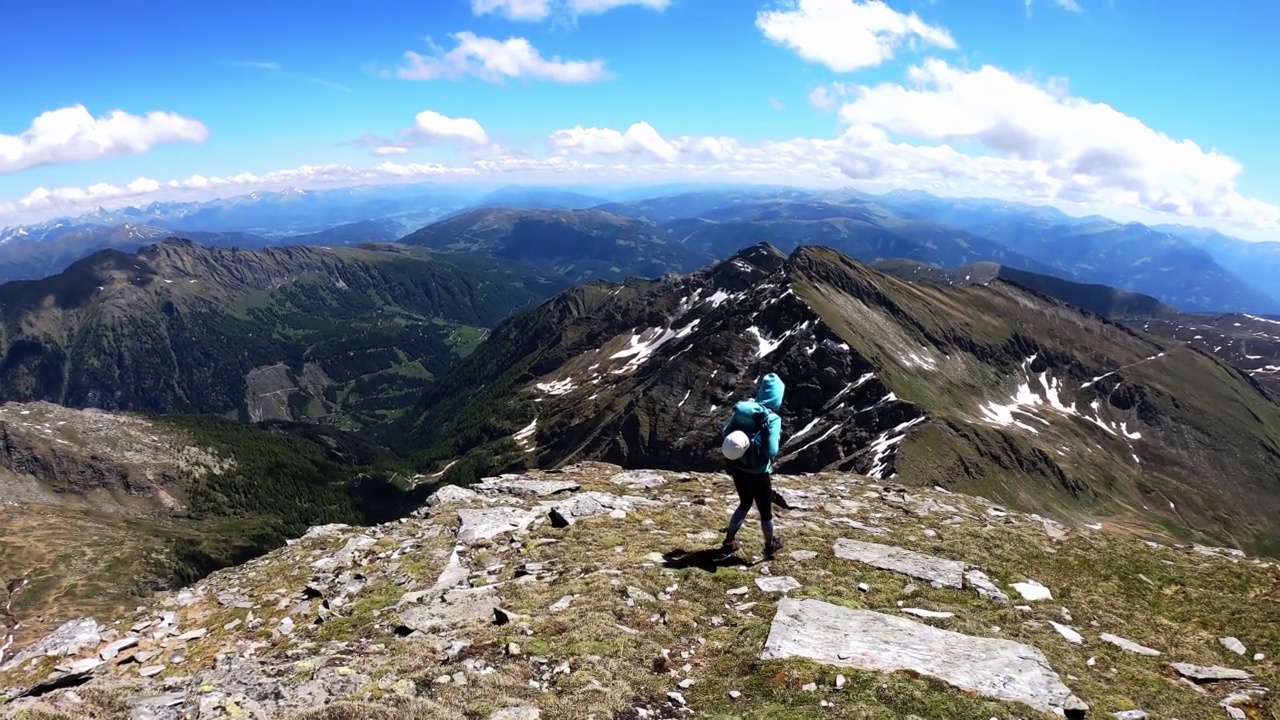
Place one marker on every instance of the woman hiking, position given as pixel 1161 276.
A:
pixel 750 442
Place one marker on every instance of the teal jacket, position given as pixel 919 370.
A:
pixel 769 401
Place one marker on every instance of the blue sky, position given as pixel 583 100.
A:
pixel 752 89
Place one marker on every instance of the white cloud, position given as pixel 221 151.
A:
pixel 947 130
pixel 496 60
pixel 777 104
pixel 390 150
pixel 514 9
pixel 71 134
pixel 536 10
pixel 430 125
pixel 1082 149
pixel 847 35
pixel 640 140
pixel 1070 5
pixel 595 7
pixel 827 98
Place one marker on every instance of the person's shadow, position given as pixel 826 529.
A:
pixel 708 560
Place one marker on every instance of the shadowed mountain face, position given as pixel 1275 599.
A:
pixel 987 388
pixel 579 244
pixel 346 335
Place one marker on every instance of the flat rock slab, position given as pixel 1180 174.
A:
pixel 979 581
pixel 478 524
pixel 1202 673
pixel 456 609
pixel 451 494
pixel 591 504
pixel 782 584
pixel 994 668
pixel 940 572
pixel 69 639
pixel 1129 645
pixel 526 487
pixel 793 499
pixel 1068 632
pixel 1032 591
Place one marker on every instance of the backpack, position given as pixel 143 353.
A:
pixel 752 418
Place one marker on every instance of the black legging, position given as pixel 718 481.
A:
pixel 752 489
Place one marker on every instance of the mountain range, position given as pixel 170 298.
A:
pixel 1188 268
pixel 338 334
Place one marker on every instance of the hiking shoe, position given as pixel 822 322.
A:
pixel 730 547
pixel 772 547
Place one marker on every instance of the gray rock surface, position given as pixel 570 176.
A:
pixel 516 713
pixel 1214 673
pixel 839 636
pixel 70 638
pixel 451 494
pixel 639 480
pixel 979 581
pixel 525 487
pixel 590 504
pixel 484 523
pixel 780 584
pixel 1232 644
pixel 1129 645
pixel 940 572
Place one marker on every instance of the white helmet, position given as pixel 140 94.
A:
pixel 735 445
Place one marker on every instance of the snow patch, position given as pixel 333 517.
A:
pixel 884 444
pixel 683 399
pixel 1262 319
pixel 556 387
pixel 524 438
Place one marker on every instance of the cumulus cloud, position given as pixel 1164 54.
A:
pixel 72 134
pixel 1080 147
pixel 639 140
pixel 537 10
pixel 431 125
pixel 497 60
pixel 847 35
pixel 950 131
pixel 1070 5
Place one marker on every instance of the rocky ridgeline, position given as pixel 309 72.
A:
pixel 593 592
pixel 49 450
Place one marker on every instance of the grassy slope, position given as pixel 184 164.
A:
pixel 1211 440
pixel 1167 598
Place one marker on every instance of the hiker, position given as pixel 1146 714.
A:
pixel 750 442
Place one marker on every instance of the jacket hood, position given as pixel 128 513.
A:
pixel 770 392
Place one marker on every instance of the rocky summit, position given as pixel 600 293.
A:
pixel 593 592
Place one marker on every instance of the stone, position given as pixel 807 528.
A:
pixel 485 523
pixel 735 694
pixel 803 555
pixel 920 612
pixel 640 595
pixel 453 609
pixel 639 479
pixel 561 604
pixel 618 514
pixel 840 682
pixel 1233 645
pixel 792 499
pixel 114 648
pixel 69 639
pixel 1203 674
pixel 782 584
pixel 1055 530
pixel 451 494
pixel 863 587
pixel 1259 657
pixel 1128 645
pixel 676 698
pixel 525 487
pixel 1068 632
pixel 939 572
pixel 979 581
pixel 589 504
pixel 1032 591
pixel 685 684
pixel 193 635
pixel 844 637
pixel 737 591
pixel 1130 715
pixel 150 670
pixel 516 713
